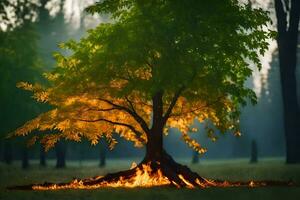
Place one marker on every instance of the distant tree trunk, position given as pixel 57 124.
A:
pixel 60 150
pixel 80 157
pixel 42 156
pixel 287 46
pixel 195 158
pixel 253 158
pixel 7 152
pixel 25 159
pixel 102 154
pixel 1 150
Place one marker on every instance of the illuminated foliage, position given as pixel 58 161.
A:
pixel 194 54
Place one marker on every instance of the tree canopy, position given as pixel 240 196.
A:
pixel 15 13
pixel 17 63
pixel 193 54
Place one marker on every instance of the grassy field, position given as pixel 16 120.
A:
pixel 233 170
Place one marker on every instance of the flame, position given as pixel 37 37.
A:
pixel 189 185
pixel 143 177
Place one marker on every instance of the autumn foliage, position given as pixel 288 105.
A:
pixel 199 60
pixel 157 65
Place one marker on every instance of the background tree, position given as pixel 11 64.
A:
pixel 159 64
pixel 43 162
pixel 17 63
pixel 60 152
pixel 16 17
pixel 102 153
pixel 253 156
pixel 287 13
pixel 45 26
pixel 195 157
pixel 12 59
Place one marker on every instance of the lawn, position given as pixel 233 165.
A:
pixel 234 170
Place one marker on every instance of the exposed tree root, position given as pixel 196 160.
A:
pixel 150 173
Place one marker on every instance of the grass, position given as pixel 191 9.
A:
pixel 233 170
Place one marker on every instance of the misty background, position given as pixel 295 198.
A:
pixel 262 123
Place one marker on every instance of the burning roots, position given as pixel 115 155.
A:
pixel 165 172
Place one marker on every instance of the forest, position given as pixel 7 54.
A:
pixel 116 94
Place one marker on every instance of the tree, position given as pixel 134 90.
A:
pixel 42 157
pixel 46 25
pixel 287 13
pixel 158 64
pixel 17 20
pixel 195 157
pixel 16 63
pixel 16 32
pixel 253 156
pixel 25 159
pixel 60 151
pixel 102 153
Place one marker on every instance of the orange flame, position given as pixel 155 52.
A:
pixel 143 177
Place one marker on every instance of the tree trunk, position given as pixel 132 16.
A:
pixel 253 158
pixel 290 105
pixel 42 156
pixel 287 41
pixel 195 158
pixel 102 154
pixel 154 146
pixel 25 159
pixel 7 152
pixel 287 60
pixel 60 150
pixel 1 149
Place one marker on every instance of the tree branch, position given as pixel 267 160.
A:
pixel 138 133
pixel 148 63
pixel 137 118
pixel 172 104
pixel 130 104
pixel 101 110
pixel 199 108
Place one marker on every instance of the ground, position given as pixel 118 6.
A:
pixel 233 170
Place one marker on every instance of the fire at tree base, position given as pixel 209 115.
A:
pixel 147 174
